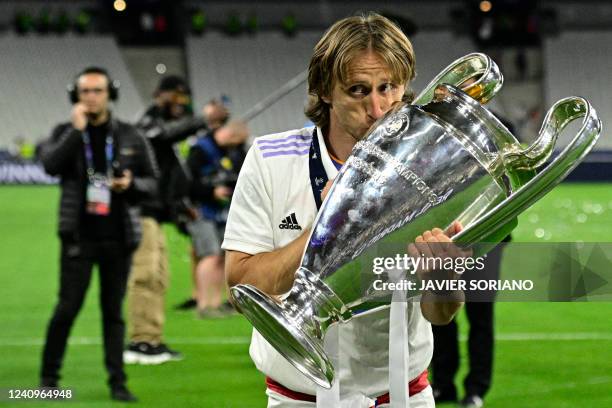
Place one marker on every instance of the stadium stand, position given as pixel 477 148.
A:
pixel 247 69
pixel 578 63
pixel 35 73
pixel 573 68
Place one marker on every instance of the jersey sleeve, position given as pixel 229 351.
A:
pixel 249 223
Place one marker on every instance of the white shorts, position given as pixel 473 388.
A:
pixel 423 399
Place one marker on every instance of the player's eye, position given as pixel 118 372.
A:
pixel 358 90
pixel 387 87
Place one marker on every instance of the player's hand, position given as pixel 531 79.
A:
pixel 120 184
pixel 436 243
pixel 78 116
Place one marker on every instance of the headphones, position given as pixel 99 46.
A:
pixel 113 86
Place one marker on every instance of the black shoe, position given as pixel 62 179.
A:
pixel 174 355
pixel 443 395
pixel 188 304
pixel 472 401
pixel 121 393
pixel 145 353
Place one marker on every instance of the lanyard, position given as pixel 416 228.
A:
pixel 318 176
pixel 108 151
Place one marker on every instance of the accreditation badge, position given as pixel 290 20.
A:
pixel 98 196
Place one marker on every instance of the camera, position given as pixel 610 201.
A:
pixel 117 170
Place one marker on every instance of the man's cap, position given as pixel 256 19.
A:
pixel 173 83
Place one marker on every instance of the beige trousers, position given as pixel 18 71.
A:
pixel 147 285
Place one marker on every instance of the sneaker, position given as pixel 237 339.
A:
pixel 174 355
pixel 188 304
pixel 224 310
pixel 121 393
pixel 471 401
pixel 145 353
pixel 228 308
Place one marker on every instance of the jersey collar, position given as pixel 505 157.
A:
pixel 328 165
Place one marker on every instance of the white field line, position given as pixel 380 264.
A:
pixel 86 341
pixel 550 336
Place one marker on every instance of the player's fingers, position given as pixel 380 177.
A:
pixel 413 251
pixel 455 228
pixel 422 246
pixel 415 254
pixel 436 246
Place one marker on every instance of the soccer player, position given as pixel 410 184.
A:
pixel 361 66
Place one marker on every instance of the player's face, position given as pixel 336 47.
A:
pixel 367 95
pixel 93 92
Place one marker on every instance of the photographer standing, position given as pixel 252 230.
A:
pixel 214 162
pixel 106 168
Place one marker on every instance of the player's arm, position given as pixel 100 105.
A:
pixel 251 256
pixel 438 309
pixel 271 272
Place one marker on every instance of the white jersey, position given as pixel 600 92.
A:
pixel 272 195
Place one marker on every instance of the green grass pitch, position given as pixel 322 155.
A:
pixel 547 354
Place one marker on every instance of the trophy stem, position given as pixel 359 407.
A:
pixel 296 326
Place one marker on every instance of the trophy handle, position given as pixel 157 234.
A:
pixel 558 117
pixel 458 73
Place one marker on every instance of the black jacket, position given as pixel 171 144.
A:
pixel 63 155
pixel 174 180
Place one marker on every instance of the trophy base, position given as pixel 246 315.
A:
pixel 279 328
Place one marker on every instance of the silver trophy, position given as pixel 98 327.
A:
pixel 442 159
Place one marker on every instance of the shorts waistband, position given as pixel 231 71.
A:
pixel 414 387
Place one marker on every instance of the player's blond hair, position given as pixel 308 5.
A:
pixel 341 42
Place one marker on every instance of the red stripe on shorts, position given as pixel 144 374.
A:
pixel 414 387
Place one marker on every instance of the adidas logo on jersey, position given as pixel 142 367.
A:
pixel 290 222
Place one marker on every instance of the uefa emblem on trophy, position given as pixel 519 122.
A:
pixel 441 159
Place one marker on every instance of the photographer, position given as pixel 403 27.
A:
pixel 106 168
pixel 167 121
pixel 214 162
